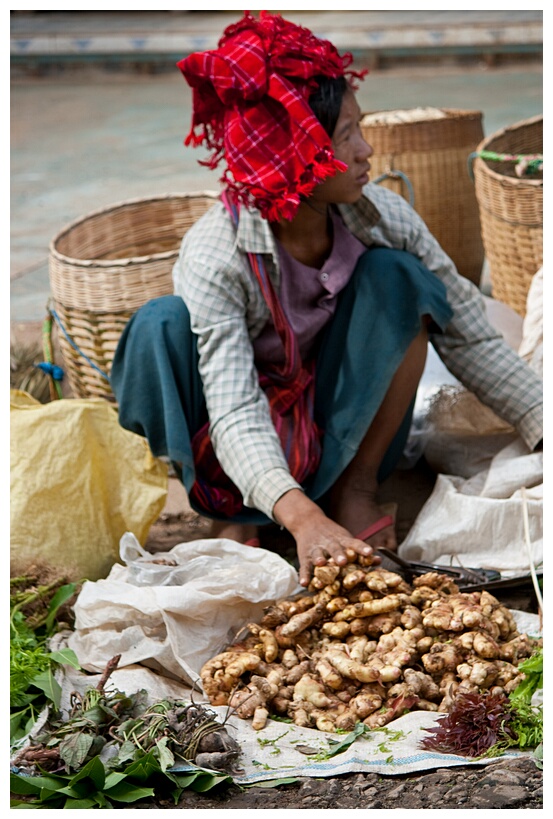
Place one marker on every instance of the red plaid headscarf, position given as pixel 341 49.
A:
pixel 250 106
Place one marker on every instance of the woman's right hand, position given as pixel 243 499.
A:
pixel 318 538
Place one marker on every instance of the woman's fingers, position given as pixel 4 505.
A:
pixel 364 549
pixel 337 545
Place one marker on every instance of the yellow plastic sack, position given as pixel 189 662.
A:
pixel 79 481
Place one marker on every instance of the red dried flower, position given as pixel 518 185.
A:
pixel 474 724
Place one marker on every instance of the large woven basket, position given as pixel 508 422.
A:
pixel 511 211
pixel 103 267
pixel 422 154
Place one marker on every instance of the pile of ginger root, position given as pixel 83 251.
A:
pixel 363 645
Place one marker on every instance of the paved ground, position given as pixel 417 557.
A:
pixel 86 133
pixel 142 35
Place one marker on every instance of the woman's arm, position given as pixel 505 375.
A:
pixel 225 303
pixel 317 536
pixel 471 348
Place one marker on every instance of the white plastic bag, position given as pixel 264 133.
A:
pixel 479 522
pixel 175 610
pixel 457 433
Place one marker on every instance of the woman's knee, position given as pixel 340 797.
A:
pixel 390 260
pixel 165 315
pixel 164 309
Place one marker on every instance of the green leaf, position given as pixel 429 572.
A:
pixel 20 803
pixel 16 720
pixel 63 594
pixel 75 749
pixel 93 770
pixel 102 801
pixel 205 782
pixel 532 668
pixel 183 781
pixel 113 779
pixel 47 795
pixel 80 804
pixel 65 657
pixel 127 792
pixel 126 753
pixel 97 714
pixel 26 785
pixel 165 755
pixel 68 790
pixel 47 683
pixel 124 728
pixel 339 747
pixel 143 768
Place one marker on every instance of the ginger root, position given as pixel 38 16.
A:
pixel 369 608
pixel 363 645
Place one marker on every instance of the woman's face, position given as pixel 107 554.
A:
pixel 350 147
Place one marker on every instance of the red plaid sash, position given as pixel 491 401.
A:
pixel 289 388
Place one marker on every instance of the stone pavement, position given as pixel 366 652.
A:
pixel 93 35
pixel 91 125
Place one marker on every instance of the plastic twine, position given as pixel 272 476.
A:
pixel 75 347
pixel 56 373
pixel 404 178
pixel 529 163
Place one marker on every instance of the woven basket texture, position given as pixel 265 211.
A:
pixel 107 264
pixel 511 212
pixel 433 153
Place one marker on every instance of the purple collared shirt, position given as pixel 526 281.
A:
pixel 308 295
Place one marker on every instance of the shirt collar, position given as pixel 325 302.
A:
pixel 254 234
pixel 361 217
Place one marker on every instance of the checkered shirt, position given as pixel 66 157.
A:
pixel 228 311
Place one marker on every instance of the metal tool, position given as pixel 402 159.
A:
pixel 465 577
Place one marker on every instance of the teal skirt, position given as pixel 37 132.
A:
pixel 158 388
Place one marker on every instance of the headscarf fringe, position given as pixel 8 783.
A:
pixel 258 82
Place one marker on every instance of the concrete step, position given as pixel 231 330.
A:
pixel 153 36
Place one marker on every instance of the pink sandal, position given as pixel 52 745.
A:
pixel 374 528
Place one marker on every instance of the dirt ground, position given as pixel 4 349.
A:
pixel 503 784
pixel 513 784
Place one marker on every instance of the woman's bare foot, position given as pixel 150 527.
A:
pixel 353 505
pixel 240 532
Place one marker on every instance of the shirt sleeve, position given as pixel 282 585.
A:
pixel 224 305
pixel 470 347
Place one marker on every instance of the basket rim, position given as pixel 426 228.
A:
pixel 460 113
pixel 508 181
pixel 508 128
pixel 483 167
pixel 211 194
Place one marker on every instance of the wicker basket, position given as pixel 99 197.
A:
pixel 424 151
pixel 511 212
pixel 103 267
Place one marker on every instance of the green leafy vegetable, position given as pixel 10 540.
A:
pixel 533 678
pixel 263 742
pixel 339 746
pixel 486 724
pixel 95 787
pixel 34 612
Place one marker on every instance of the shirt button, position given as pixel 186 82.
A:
pixel 324 277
